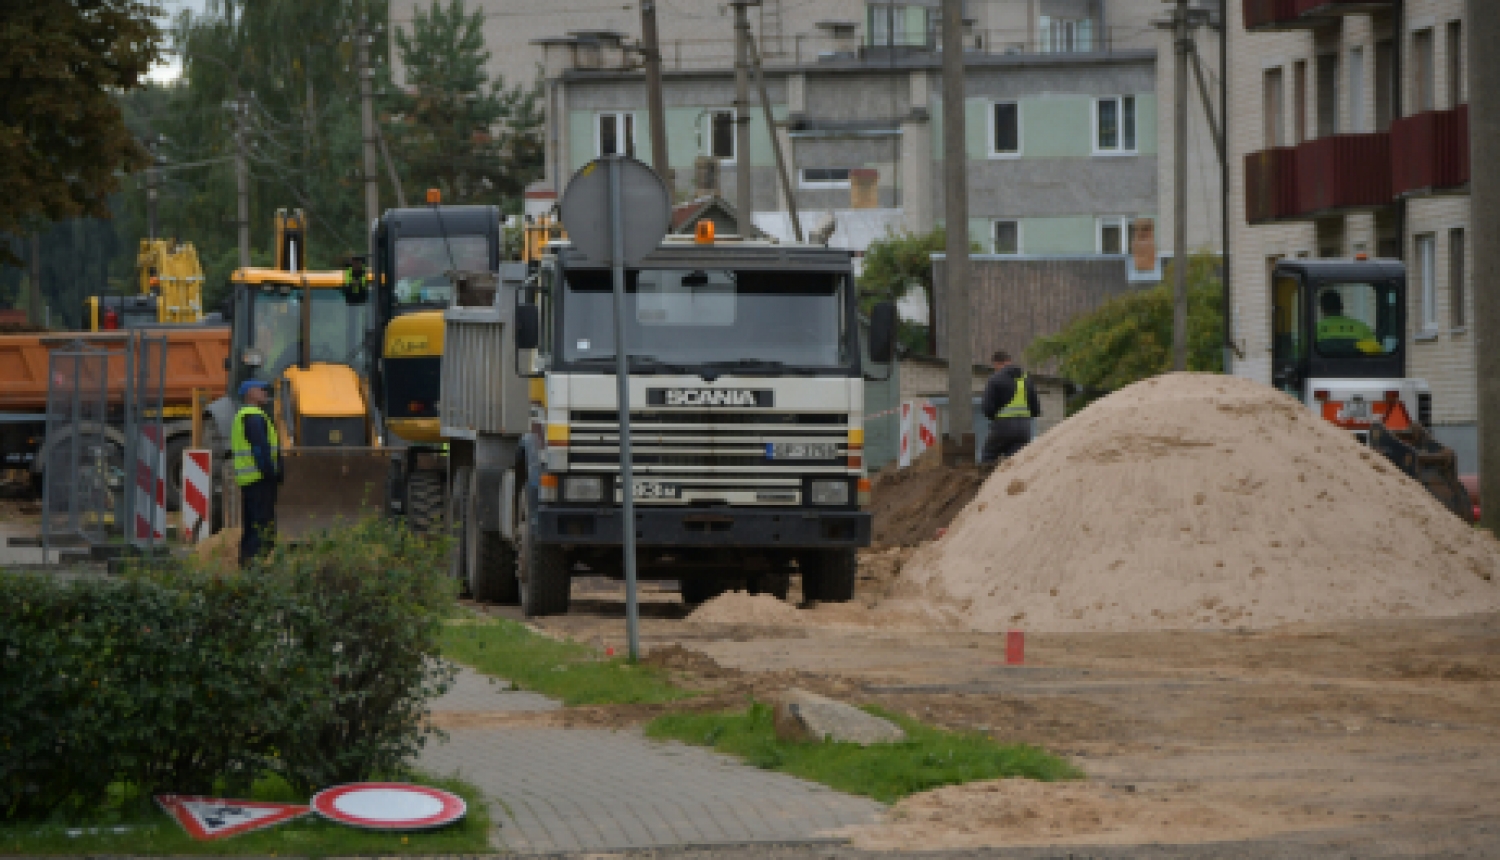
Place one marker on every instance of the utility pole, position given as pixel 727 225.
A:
pixel 34 300
pixel 651 53
pixel 781 171
pixel 1182 38
pixel 743 202
pixel 367 121
pixel 1483 28
pixel 241 177
pixel 956 224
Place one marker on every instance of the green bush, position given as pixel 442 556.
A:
pixel 315 665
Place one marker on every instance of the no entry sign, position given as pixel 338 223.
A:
pixel 389 806
pixel 218 817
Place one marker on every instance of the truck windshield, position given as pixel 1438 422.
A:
pixel 1356 320
pixel 422 261
pixel 337 330
pixel 697 317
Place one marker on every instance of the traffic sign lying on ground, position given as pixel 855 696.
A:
pixel 389 806
pixel 218 817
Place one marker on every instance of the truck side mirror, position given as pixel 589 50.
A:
pixel 883 332
pixel 528 327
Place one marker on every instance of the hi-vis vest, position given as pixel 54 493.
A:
pixel 1343 328
pixel 245 469
pixel 1017 407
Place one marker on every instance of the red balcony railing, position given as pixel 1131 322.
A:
pixel 1345 171
pixel 1270 14
pixel 1298 14
pixel 1430 151
pixel 1271 185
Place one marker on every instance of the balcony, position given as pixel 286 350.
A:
pixel 1266 15
pixel 1430 152
pixel 1331 174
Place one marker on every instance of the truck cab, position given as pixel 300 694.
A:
pixel 1339 341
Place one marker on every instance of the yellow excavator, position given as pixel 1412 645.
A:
pixel 170 280
pixel 304 332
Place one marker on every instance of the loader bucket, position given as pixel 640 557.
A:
pixel 324 487
pixel 1431 463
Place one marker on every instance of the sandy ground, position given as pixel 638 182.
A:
pixel 1354 733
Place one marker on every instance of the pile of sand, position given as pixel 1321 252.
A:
pixel 1194 500
pixel 763 610
pixel 742 607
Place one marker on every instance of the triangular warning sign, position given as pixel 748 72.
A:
pixel 218 817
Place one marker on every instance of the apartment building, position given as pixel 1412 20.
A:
pixel 1349 135
pixel 1062 123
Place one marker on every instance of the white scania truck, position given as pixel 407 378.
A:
pixel 746 389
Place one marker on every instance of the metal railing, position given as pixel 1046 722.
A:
pixel 83 464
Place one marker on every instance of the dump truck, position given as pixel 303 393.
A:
pixel 746 386
pixel 196 358
pixel 1340 346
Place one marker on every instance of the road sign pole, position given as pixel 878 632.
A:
pixel 622 388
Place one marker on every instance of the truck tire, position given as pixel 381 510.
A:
pixel 828 575
pixel 175 446
pixel 700 589
pixel 492 570
pixel 459 527
pixel 775 583
pixel 424 501
pixel 545 581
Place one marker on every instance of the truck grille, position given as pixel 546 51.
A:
pixel 711 456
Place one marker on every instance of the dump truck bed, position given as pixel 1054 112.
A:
pixel 195 360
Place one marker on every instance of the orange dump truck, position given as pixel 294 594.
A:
pixel 196 359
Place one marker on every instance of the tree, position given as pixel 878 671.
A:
pixel 63 142
pixel 893 266
pixel 1129 338
pixel 478 141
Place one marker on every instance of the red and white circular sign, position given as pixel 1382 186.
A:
pixel 389 806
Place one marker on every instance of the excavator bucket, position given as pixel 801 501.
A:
pixel 326 487
pixel 1431 463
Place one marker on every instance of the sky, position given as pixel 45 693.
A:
pixel 171 68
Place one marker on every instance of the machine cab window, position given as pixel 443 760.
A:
pixel 1328 321
pixel 1355 320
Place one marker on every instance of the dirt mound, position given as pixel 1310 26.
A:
pixel 1022 812
pixel 742 607
pixel 908 506
pixel 1194 500
pixel 674 656
pixel 221 550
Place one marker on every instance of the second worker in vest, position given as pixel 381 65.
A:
pixel 257 469
pixel 1010 402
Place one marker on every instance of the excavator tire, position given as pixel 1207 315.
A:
pixel 424 501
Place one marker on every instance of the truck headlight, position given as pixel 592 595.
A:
pixel 578 489
pixel 830 492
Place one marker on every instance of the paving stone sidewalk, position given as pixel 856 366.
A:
pixel 567 790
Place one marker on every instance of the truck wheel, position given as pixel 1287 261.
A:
pixel 546 583
pixel 700 589
pixel 828 575
pixel 424 501
pixel 175 446
pixel 775 584
pixel 459 527
pixel 489 560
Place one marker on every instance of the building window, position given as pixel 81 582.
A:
pixel 1005 128
pixel 1457 277
pixel 1424 69
pixel 1114 236
pixel 1007 237
pixel 1328 95
pixel 1064 35
pixel 1426 277
pixel 719 140
pixel 1455 64
pixel 891 25
pixel 1299 101
pixel 1385 83
pixel 1357 90
pixel 1271 106
pixel 824 177
pixel 615 134
pixel 1114 125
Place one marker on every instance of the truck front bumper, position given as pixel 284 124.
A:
pixel 794 528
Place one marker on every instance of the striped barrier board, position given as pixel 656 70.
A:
pixel 919 428
pixel 197 491
pixel 150 488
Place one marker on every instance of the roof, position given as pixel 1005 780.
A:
pixel 261 275
pixel 684 215
pixel 1345 269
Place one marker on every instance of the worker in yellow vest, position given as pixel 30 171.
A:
pixel 257 470
pixel 1010 403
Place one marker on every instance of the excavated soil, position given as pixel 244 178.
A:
pixel 1195 500
pixel 908 506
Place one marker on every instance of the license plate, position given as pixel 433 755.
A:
pixel 657 490
pixel 801 450
pixel 1356 409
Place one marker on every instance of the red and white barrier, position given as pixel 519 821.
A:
pixel 919 429
pixel 150 487
pixel 197 490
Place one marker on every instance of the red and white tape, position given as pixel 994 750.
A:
pixel 150 487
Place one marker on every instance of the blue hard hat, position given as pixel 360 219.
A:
pixel 252 383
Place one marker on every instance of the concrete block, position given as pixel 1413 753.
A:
pixel 804 716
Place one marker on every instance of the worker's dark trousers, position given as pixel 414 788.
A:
pixel 258 516
pixel 1006 438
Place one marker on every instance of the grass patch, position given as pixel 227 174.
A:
pixel 574 673
pixel 929 758
pixel 148 830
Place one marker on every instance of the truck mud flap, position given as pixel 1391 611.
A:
pixel 1431 463
pixel 326 487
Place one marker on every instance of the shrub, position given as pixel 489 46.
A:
pixel 315 665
